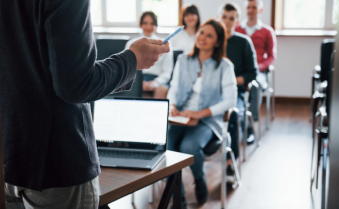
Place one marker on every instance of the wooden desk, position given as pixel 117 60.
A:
pixel 193 122
pixel 116 183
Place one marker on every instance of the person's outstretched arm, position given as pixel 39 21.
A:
pixel 77 76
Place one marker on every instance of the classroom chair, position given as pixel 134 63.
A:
pixel 108 45
pixel 270 97
pixel 252 114
pixel 320 77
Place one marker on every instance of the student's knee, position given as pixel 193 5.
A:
pixel 190 148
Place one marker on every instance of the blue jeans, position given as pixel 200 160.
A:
pixel 190 140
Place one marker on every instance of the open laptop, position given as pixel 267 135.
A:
pixel 131 132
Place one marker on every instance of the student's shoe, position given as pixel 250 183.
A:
pixel 183 203
pixel 250 139
pixel 230 175
pixel 201 192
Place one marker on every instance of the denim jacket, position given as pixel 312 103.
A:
pixel 219 88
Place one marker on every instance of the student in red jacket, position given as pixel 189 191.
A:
pixel 262 35
pixel 264 41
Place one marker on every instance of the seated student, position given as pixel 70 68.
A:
pixel 241 52
pixel 158 76
pixel 265 44
pixel 191 20
pixel 203 87
pixel 262 35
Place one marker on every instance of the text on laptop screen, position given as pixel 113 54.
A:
pixel 143 121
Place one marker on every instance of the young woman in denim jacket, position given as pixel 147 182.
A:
pixel 203 87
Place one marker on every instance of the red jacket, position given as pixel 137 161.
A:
pixel 264 41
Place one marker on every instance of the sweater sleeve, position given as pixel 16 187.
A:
pixel 229 91
pixel 77 76
pixel 271 50
pixel 250 62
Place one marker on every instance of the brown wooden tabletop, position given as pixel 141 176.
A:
pixel 193 122
pixel 116 183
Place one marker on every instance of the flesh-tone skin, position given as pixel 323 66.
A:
pixel 206 41
pixel 190 21
pixel 231 20
pixel 253 11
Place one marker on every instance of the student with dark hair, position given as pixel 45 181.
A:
pixel 203 87
pixel 191 20
pixel 158 76
pixel 241 52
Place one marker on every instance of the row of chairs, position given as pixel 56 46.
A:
pixel 320 108
pixel 108 45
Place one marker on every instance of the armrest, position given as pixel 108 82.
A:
pixel 317 69
pixel 271 68
pixel 228 113
pixel 318 95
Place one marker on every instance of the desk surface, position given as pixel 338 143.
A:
pixel 116 183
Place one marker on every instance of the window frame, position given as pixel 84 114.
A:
pixel 278 12
pixel 107 24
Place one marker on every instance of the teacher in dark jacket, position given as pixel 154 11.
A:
pixel 48 75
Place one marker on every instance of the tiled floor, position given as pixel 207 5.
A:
pixel 274 176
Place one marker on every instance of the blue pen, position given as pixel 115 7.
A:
pixel 173 34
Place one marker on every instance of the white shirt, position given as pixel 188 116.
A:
pixel 193 101
pixel 162 68
pixel 182 41
pixel 251 30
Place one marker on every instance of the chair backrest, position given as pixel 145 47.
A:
pixel 329 89
pixel 176 53
pixel 254 99
pixel 327 48
pixel 108 45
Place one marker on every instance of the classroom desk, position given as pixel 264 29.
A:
pixel 116 183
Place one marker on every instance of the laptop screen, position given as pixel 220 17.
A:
pixel 131 123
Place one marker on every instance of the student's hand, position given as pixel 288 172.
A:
pixel 148 51
pixel 190 114
pixel 150 85
pixel 174 111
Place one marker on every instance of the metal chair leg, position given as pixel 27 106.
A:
pixel 273 96
pixel 268 111
pixel 256 137
pixel 244 137
pixel 133 199
pixel 223 172
pixel 313 151
pixel 150 194
pixel 237 173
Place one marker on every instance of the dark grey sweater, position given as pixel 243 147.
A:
pixel 48 73
pixel 241 52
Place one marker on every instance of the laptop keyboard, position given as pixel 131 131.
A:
pixel 127 154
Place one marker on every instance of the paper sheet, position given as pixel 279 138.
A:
pixel 179 119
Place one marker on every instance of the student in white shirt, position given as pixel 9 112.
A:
pixel 203 87
pixel 191 20
pixel 158 76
